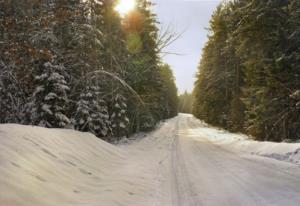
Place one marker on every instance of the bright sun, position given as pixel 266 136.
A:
pixel 125 6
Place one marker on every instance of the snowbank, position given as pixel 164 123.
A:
pixel 40 166
pixel 51 167
pixel 289 152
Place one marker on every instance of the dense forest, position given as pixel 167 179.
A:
pixel 185 103
pixel 79 64
pixel 249 76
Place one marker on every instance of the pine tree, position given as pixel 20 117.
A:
pixel 49 101
pixel 74 59
pixel 251 57
pixel 79 41
pixel 92 113
pixel 169 102
pixel 118 116
pixel 142 35
pixel 28 44
pixel 186 103
pixel 12 96
pixel 265 35
pixel 212 89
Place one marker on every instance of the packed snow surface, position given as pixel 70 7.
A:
pixel 183 162
pixel 289 152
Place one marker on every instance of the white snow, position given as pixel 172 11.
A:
pixel 183 162
pixel 51 96
pixel 40 166
pixel 289 152
pixel 122 125
pixel 46 108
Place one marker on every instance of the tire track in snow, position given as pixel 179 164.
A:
pixel 184 193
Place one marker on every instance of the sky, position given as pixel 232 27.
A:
pixel 191 17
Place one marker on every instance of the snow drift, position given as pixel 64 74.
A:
pixel 50 167
pixel 40 166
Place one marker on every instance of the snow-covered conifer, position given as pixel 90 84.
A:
pixel 49 101
pixel 118 116
pixel 92 113
pixel 11 95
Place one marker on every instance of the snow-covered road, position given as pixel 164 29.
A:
pixel 179 164
pixel 194 171
pixel 210 175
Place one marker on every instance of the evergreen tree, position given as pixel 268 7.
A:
pixel 116 60
pixel 142 36
pixel 169 102
pixel 12 96
pixel 91 114
pixel 212 92
pixel 186 103
pixel 118 116
pixel 49 101
pixel 248 73
pixel 74 59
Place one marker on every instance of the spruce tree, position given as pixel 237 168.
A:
pixel 49 101
pixel 91 114
pixel 142 35
pixel 78 60
pixel 251 58
pixel 118 116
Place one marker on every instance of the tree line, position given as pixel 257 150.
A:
pixel 248 79
pixel 185 104
pixel 78 64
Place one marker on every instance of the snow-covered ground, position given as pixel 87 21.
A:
pixel 51 167
pixel 289 152
pixel 184 162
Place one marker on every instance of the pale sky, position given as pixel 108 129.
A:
pixel 191 16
